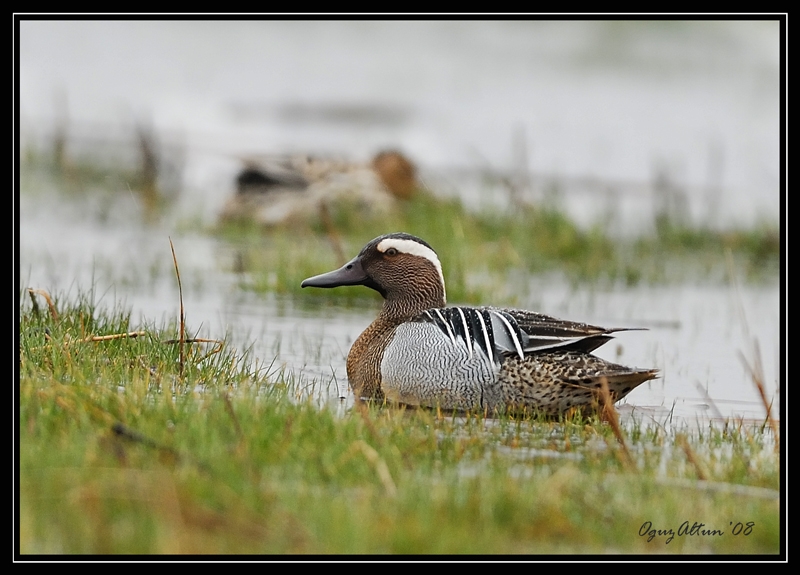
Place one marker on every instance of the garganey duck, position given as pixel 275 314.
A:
pixel 274 190
pixel 419 352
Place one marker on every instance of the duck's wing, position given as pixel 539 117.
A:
pixel 500 332
pixel 547 333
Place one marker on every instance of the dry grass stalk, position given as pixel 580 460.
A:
pixel 756 371
pixel 83 339
pixel 609 414
pixel 46 296
pixel 96 338
pixel 757 375
pixel 182 332
pixel 216 349
pixel 130 334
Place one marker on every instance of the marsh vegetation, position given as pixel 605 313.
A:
pixel 143 437
pixel 128 445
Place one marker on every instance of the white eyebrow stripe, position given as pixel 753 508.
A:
pixel 447 325
pixel 467 338
pixel 486 337
pixel 511 332
pixel 415 249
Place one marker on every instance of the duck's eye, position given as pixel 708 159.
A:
pixel 391 252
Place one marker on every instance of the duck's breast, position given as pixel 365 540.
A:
pixel 424 366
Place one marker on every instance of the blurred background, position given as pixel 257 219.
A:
pixel 133 132
pixel 603 108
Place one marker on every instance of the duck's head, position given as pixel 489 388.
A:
pixel 403 268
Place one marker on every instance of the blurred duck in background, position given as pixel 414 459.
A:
pixel 277 190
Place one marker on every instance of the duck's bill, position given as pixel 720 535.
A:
pixel 350 274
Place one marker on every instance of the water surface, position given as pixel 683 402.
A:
pixel 696 336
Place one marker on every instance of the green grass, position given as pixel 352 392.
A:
pixel 489 254
pixel 124 450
